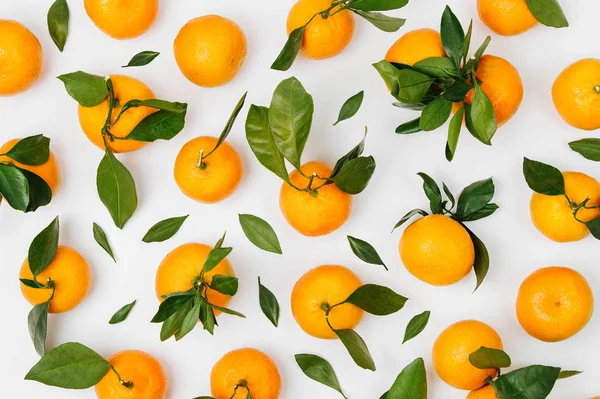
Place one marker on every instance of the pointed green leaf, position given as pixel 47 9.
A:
pixel 453 36
pixel 416 325
pixel 350 107
pixel 318 369
pixel 411 383
pixel 548 12
pixel 290 50
pixel 14 187
pixel 160 125
pixel 433 193
pixel 58 23
pixel 489 358
pixel 588 148
pixel 32 150
pixel 260 233
pixel 226 285
pixel 376 299
pixel 435 114
pixel 43 248
pixel 268 304
pixel 355 175
pixel 102 240
pixel 409 215
pixel 454 133
pixel 410 127
pixel 142 58
pixel 527 382
pixel 365 251
pixel 381 21
pixel 543 178
pixel 474 197
pixel 356 348
pixel 121 314
pixel 164 229
pixel 88 90
pixel 37 322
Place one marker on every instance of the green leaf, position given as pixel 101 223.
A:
pixel 190 320
pixel 356 348
pixel 226 285
pixel 389 73
pixel 318 369
pixel 381 21
pixel 457 91
pixel 88 90
pixel 409 215
pixel 416 325
pixel 526 383
pixel 588 148
pixel 40 193
pixel 268 304
pixel 258 134
pixel 43 248
pixel 260 233
pixel 435 114
pixel 37 322
pixel 594 227
pixel 355 175
pixel 548 12
pixel 71 365
pixel 467 42
pixel 480 119
pixel 410 127
pixel 473 63
pixel 230 122
pixel 121 314
pixel 482 258
pixel 354 153
pixel 170 306
pixel 377 5
pixel 173 324
pixel 413 86
pixel 484 212
pixel 290 50
pixel 543 178
pixel 437 67
pixel 102 240
pixel 290 118
pixel 221 240
pixel 365 251
pixel 116 189
pixel 449 195
pixel 14 187
pixel 178 108
pixel 489 358
pixel 164 229
pixel 141 59
pixel 226 310
pixel 207 317
pixel 453 36
pixel 350 107
pixel 411 383
pixel 474 197
pixel 214 257
pixel 32 150
pixel 568 374
pixel 376 299
pixel 160 125
pixel 30 283
pixel 433 193
pixel 454 133
pixel 58 23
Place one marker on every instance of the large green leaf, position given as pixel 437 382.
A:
pixel 376 299
pixel 164 229
pixel 161 125
pixel 411 383
pixel 357 348
pixel 413 86
pixel 381 21
pixel 416 325
pixel 548 12
pixel 290 50
pixel 480 118
pixel 532 382
pixel 489 358
pixel 14 187
pixel 268 303
pixel 377 5
pixel 543 178
pixel 350 107
pixel 32 150
pixel 435 114
pixel 319 369
pixel 355 175
pixel 42 249
pixel 474 197
pixel 365 251
pixel 88 90
pixel 453 36
pixel 588 148
pixel 142 58
pixel 40 193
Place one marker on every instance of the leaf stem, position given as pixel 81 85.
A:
pixel 111 103
pixel 126 384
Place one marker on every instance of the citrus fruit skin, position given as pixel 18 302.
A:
pixel 250 365
pixel 506 17
pixel 210 50
pixel 92 119
pixel 437 250
pixel 219 179
pixel 325 285
pixel 142 370
pixel 487 392
pixel 323 37
pixel 415 46
pixel 554 303
pixel 177 271
pixel 71 276
pixel 314 214
pixel 122 19
pixel 552 215
pixel 451 352
pixel 20 57
pixel 48 171
pixel 576 94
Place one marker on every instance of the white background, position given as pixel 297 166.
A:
pixel 516 248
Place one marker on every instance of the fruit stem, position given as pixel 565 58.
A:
pixel 201 164
pixel 126 384
pixel 597 89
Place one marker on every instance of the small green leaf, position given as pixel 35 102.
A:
pixel 365 251
pixel 381 21
pixel 489 358
pixel 473 62
pixel 172 325
pixel 433 193
pixel 454 133
pixel 377 5
pixel 527 382
pixel 227 129
pixel 164 229
pixel 40 193
pixel 453 36
pixel 102 240
pixel 543 178
pixel 350 107
pixel 548 12
pixel 376 299
pixel 58 23
pixel 568 374
pixel 416 325
pixel 480 117
pixel 413 86
pixel 37 322
pixel 43 248
pixel 467 42
pixel 207 317
pixel 437 67
pixel 190 320
pixel 226 310
pixel 410 127
pixel 226 285
pixel 170 306
pixel 355 175
pixel 268 304
pixel 481 265
pixel 14 187
pixel 174 107
pixel 290 50
pixel 121 314
pixel 594 227
pixel 409 215
pixel 214 257
pixel 318 369
pixel 160 125
pixel 30 283
pixel 588 148
pixel 389 74
pixel 435 114
pixel 260 233
pixel 474 197
pixel 141 59
pixel 484 212
pixel 32 150
pixel 354 153
pixel 449 195
pixel 357 348
pixel 411 383
pixel 88 90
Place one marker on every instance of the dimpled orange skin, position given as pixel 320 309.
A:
pixel 554 303
pixel 20 57
pixel 314 215
pixel 487 392
pixel 48 171
pixel 552 215
pixel 122 19
pixel 256 368
pixel 576 94
pixel 71 275
pixel 415 46
pixel 92 119
pixel 210 50
pixel 178 269
pixel 437 250
pixel 323 37
pixel 451 352
pixel 218 180
pixel 141 369
pixel 328 284
pixel 506 17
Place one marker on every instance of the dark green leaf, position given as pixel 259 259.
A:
pixel 173 324
pixel 484 212
pixel 356 348
pixel 190 320
pixel 594 227
pixel 474 197
pixel 43 248
pixel 376 299
pixel 410 127
pixel 215 256
pixel 71 365
pixel 473 62
pixel 409 215
pixel 411 383
pixel 88 90
pixel 432 191
pixel 526 383
pixel 355 175
pixel 30 283
pixel 350 107
pixel 32 150
pixel 226 285
pixel 178 108
pixel 437 67
pixel 381 21
pixel 171 305
pixel 142 58
pixel 102 240
pixel 268 304
pixel 589 148
pixel 40 193
pixel 377 5
pixel 226 310
pixel 568 374
pixel 365 251
pixel 467 42
pixel 352 154
pixel 457 92
pixel 290 50
pixel 453 36
pixel 260 233
pixel 413 86
pixel 389 73
pixel 37 321
pixel 207 317
pixel 454 133
pixel 58 23
pixel 229 124
pixel 435 114
pixel 318 369
pixel 164 229
pixel 543 178
pixel 121 314
pixel 480 118
pixel 416 325
pixel 221 240
pixel 482 258
pixel 548 12
pixel 161 125
pixel 448 195
pixel 14 187
pixel 489 358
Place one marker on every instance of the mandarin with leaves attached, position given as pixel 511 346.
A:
pixel 20 57
pixel 506 17
pixel 415 46
pixel 122 19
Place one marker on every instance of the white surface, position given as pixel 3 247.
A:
pixel 516 248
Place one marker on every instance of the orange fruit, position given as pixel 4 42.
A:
pixel 92 119
pixel 415 46
pixel 554 303
pixel 210 50
pixel 122 19
pixel 71 276
pixel 178 270
pixel 576 94
pixel 553 216
pixel 20 57
pixel 48 171
pixel 323 37
pixel 319 288
pixel 221 174
pixel 437 249
pixel 451 352
pixel 142 370
pixel 487 392
pixel 252 369
pixel 314 213
pixel 506 17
